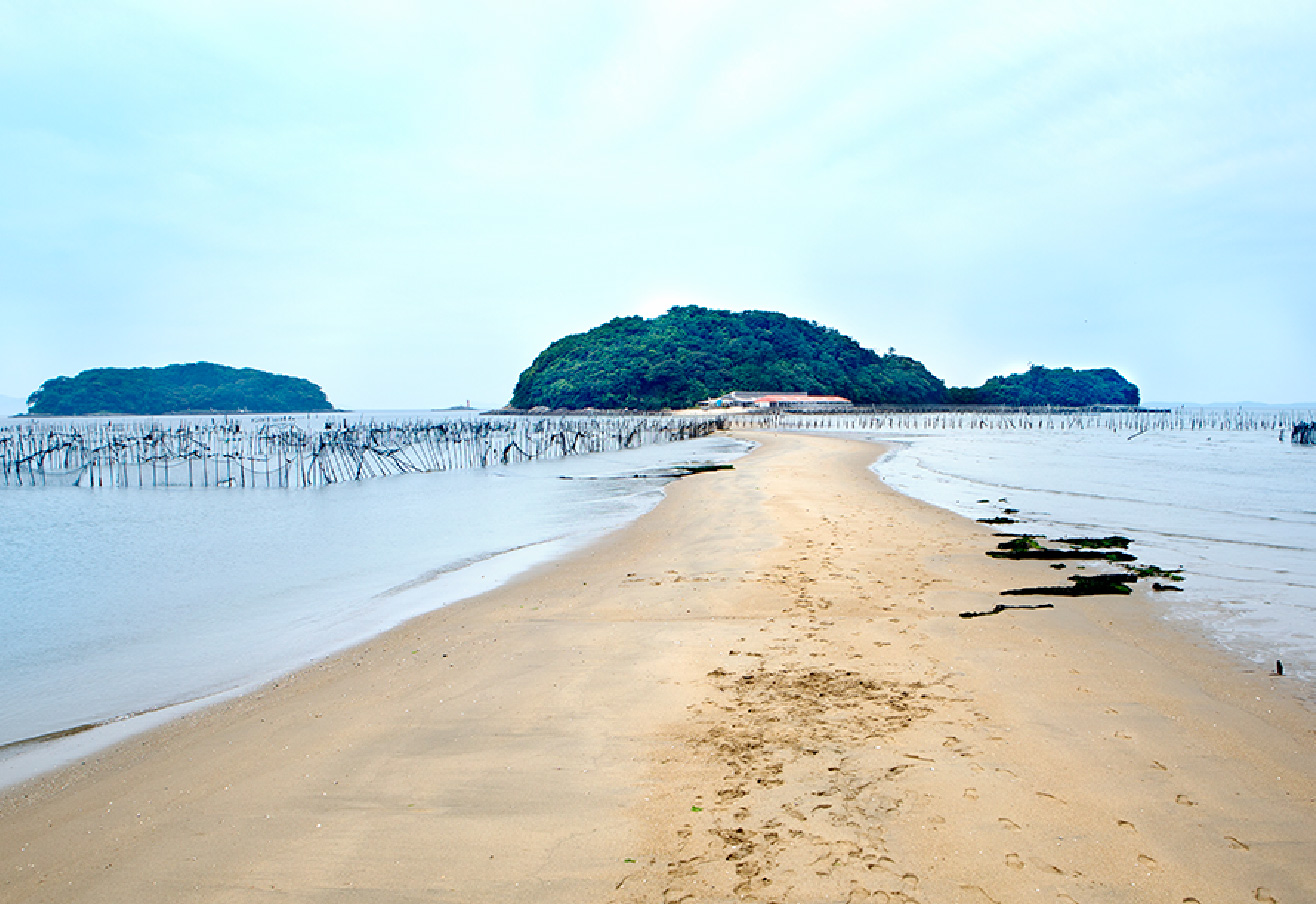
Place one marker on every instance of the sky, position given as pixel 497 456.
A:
pixel 406 201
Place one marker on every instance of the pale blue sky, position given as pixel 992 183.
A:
pixel 405 201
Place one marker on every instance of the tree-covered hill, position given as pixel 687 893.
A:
pixel 1062 386
pixel 175 389
pixel 693 353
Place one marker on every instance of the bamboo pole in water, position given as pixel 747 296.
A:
pixel 84 453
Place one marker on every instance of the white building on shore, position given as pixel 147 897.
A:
pixel 798 401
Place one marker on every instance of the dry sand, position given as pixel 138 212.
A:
pixel 760 691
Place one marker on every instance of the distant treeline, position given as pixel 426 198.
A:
pixel 629 363
pixel 175 389
pixel 691 353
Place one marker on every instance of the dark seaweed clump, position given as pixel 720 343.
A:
pixel 1154 571
pixel 1027 547
pixel 1109 549
pixel 1083 585
pixel 1114 542
pixel 703 469
pixel 1021 543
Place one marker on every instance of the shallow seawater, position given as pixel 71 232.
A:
pixel 121 601
pixel 1237 511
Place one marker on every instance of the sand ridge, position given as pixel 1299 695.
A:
pixel 761 691
pixel 845 750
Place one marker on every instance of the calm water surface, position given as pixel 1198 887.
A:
pixel 120 601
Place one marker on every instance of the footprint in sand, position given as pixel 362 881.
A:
pixel 1126 826
pixel 1014 861
pixel 971 793
pixel 1185 800
pixel 1147 862
pixel 1009 824
pixel 1264 896
pixel 1236 844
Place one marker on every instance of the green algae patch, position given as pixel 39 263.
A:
pixel 1114 584
pixel 1155 571
pixel 1114 542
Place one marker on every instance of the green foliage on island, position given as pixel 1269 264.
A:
pixel 176 389
pixel 693 353
pixel 1061 386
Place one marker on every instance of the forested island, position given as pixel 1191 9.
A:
pixel 671 361
pixel 692 353
pixel 1062 386
pixel 200 388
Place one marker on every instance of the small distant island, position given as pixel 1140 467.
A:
pixel 200 388
pixel 1061 386
pixel 692 354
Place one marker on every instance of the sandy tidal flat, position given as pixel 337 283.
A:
pixel 760 691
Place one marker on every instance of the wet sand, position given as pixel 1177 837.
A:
pixel 759 691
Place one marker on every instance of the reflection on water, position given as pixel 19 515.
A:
pixel 119 601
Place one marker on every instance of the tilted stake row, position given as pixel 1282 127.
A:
pixel 286 453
